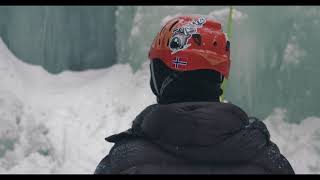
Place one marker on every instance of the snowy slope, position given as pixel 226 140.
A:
pixel 57 123
pixel 63 119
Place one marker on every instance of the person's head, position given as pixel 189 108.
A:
pixel 189 59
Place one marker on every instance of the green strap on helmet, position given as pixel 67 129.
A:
pixel 229 32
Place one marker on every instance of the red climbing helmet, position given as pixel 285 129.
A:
pixel 187 43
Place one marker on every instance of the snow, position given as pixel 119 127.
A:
pixel 222 15
pixel 57 123
pixel 293 54
pixel 300 143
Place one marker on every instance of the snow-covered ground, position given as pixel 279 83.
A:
pixel 57 123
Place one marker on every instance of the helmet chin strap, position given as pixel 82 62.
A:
pixel 153 77
pixel 165 83
pixel 221 85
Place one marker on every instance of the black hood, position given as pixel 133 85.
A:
pixel 201 131
pixel 172 86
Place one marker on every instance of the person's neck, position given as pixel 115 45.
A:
pixel 177 99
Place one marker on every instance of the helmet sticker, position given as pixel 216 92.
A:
pixel 179 62
pixel 181 36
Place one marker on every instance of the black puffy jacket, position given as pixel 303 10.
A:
pixel 194 138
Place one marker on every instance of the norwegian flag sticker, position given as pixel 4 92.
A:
pixel 179 63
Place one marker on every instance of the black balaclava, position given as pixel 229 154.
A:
pixel 191 86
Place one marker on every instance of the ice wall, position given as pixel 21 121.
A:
pixel 60 37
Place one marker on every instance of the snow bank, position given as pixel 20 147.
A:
pixel 300 143
pixel 57 123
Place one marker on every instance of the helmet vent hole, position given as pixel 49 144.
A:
pixel 215 43
pixel 173 24
pixel 228 46
pixel 159 42
pixel 197 39
pixel 162 29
